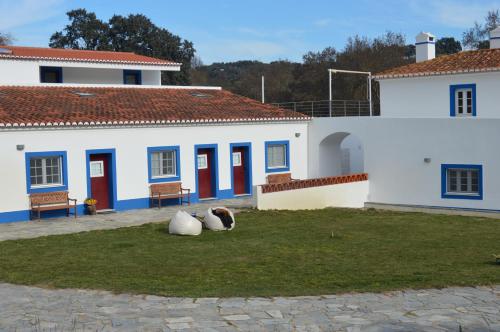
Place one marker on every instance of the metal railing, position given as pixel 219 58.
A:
pixel 329 108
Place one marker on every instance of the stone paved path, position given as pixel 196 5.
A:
pixel 34 309
pixel 32 229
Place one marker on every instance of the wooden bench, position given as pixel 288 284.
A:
pixel 280 178
pixel 57 200
pixel 159 191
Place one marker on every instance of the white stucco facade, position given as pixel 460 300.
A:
pixel 394 153
pixel 27 72
pixel 131 146
pixel 429 96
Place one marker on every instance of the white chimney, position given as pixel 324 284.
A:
pixel 495 38
pixel 425 46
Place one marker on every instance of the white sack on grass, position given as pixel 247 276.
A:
pixel 184 224
pixel 215 223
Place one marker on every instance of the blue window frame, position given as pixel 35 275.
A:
pixel 277 156
pixel 463 100
pixel 164 164
pixel 51 75
pixel 132 77
pixel 46 171
pixel 462 181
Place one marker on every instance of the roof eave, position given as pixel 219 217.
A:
pixel 437 73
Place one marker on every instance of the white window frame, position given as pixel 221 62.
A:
pixel 237 159
pixel 161 161
pixel 458 183
pixel 466 103
pixel 97 162
pixel 44 173
pixel 203 157
pixel 284 156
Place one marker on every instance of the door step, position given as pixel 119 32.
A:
pixel 106 211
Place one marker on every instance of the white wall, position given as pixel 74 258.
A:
pixel 394 152
pixel 429 97
pixel 14 72
pixel 345 195
pixel 131 155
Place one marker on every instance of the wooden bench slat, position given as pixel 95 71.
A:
pixel 161 191
pixel 57 200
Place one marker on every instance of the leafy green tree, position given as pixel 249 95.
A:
pixel 447 45
pixel 134 33
pixel 477 37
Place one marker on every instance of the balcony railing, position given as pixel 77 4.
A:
pixel 329 108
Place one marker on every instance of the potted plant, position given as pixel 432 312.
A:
pixel 90 205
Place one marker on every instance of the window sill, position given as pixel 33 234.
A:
pixel 277 169
pixel 164 179
pixel 47 189
pixel 462 196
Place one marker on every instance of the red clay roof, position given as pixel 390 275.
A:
pixel 66 106
pixel 39 53
pixel 462 62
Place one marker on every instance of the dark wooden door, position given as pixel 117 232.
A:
pixel 205 173
pixel 240 169
pixel 100 180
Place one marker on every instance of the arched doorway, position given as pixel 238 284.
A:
pixel 341 153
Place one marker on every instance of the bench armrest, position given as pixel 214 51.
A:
pixel 185 189
pixel 72 199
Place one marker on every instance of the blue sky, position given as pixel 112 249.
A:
pixel 224 30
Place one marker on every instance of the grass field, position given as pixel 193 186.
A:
pixel 268 253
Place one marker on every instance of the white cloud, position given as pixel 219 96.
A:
pixel 453 14
pixel 324 22
pixel 18 13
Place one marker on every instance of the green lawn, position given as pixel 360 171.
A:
pixel 268 253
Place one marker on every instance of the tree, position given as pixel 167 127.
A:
pixel 134 33
pixel 5 39
pixel 477 37
pixel 447 45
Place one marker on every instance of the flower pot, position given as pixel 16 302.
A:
pixel 91 210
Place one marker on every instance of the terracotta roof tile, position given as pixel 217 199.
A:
pixel 22 52
pixel 56 105
pixel 462 62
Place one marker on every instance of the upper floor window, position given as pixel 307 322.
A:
pixel 277 156
pixel 51 75
pixel 163 164
pixel 463 100
pixel 46 171
pixel 132 77
pixel 462 181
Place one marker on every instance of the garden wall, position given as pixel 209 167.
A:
pixel 348 191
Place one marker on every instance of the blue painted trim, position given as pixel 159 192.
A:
pixel 446 195
pixel 454 88
pixel 281 169
pixel 64 166
pixel 215 169
pixel 136 73
pixel 58 70
pixel 112 161
pixel 177 177
pixel 249 184
pixel 426 42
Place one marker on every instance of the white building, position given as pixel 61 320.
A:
pixel 434 144
pixel 79 127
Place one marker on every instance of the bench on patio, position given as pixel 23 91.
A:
pixel 159 191
pixel 280 178
pixel 57 200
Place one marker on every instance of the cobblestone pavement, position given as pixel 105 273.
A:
pixel 26 308
pixel 52 226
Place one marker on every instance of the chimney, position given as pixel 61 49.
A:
pixel 425 46
pixel 495 38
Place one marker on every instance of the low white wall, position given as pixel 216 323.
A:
pixel 346 195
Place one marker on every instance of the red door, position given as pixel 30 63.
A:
pixel 239 170
pixel 205 173
pixel 99 180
